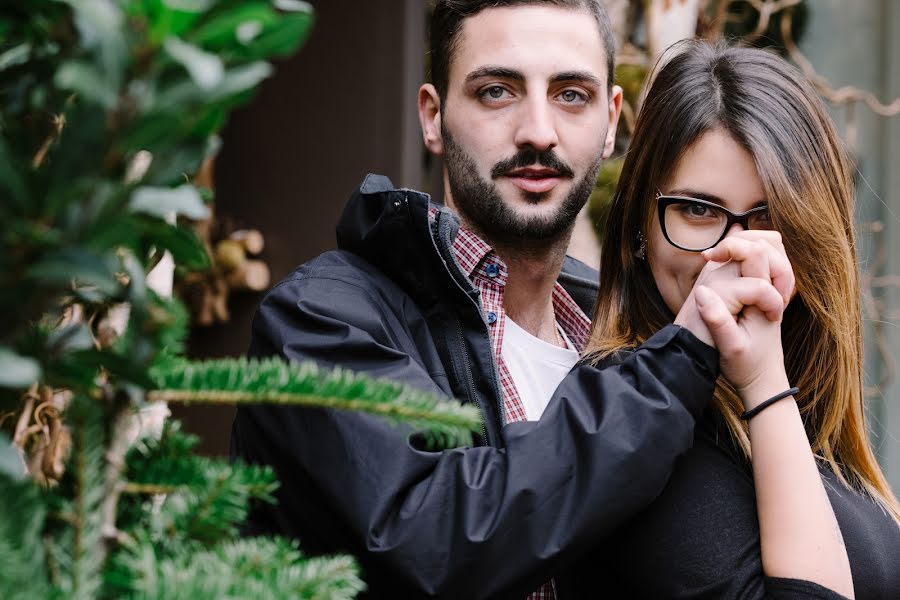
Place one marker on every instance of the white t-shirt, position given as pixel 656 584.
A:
pixel 536 367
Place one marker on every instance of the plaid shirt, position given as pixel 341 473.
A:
pixel 488 274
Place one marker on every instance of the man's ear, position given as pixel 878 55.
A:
pixel 615 108
pixel 430 119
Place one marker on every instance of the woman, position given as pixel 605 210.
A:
pixel 728 140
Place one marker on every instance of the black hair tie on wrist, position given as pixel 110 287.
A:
pixel 749 414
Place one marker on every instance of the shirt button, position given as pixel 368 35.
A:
pixel 491 318
pixel 492 270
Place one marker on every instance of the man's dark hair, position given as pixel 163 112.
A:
pixel 448 16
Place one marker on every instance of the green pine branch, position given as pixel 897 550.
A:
pixel 23 575
pixel 249 568
pixel 206 498
pixel 76 546
pixel 246 381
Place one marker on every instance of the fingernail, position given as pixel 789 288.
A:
pixel 701 295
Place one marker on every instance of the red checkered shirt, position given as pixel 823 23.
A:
pixel 488 274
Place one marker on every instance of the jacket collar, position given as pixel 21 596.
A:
pixel 390 228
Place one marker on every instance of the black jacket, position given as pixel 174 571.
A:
pixel 495 519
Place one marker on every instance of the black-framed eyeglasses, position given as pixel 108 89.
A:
pixel 697 225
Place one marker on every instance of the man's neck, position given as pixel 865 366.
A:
pixel 528 294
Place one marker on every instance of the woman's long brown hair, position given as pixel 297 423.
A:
pixel 769 108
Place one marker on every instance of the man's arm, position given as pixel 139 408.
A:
pixel 468 522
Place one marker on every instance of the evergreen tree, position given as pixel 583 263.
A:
pixel 107 108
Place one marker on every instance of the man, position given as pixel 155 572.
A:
pixel 477 300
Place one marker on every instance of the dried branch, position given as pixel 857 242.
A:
pixel 766 9
pixel 846 95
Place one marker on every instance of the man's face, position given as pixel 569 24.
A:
pixel 527 120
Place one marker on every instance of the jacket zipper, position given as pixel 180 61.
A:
pixel 470 379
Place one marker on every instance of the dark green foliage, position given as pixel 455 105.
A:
pixel 74 533
pixel 107 108
pixel 250 568
pixel 444 422
pixel 207 499
pixel 601 199
pixel 24 573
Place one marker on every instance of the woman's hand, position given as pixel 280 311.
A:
pixel 799 535
pixel 740 296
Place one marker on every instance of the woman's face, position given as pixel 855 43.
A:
pixel 717 169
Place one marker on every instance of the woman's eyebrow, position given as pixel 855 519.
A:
pixel 696 194
pixel 708 197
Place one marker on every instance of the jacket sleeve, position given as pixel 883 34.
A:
pixel 469 522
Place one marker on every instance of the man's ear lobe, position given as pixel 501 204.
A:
pixel 615 109
pixel 430 119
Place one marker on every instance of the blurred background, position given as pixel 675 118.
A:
pixel 346 105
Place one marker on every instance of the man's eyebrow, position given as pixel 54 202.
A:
pixel 494 71
pixel 580 76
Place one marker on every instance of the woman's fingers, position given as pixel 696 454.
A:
pixel 760 255
pixel 723 328
pixel 736 293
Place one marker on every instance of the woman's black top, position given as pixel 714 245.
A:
pixel 700 538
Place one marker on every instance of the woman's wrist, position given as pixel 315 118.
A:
pixel 760 391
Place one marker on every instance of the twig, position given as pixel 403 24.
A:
pixel 847 94
pixel 59 123
pixel 25 417
pixel 115 462
pixel 148 488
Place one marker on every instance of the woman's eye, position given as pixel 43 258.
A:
pixel 697 210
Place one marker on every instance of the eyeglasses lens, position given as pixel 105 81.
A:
pixel 694 226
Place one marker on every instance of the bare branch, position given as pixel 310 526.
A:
pixel 841 96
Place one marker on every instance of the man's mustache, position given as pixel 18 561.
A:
pixel 528 157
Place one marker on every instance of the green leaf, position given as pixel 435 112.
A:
pixel 11 463
pixel 163 202
pixel 281 39
pixel 100 24
pixel 222 30
pixel 205 69
pixel 189 6
pixel 15 56
pixel 17 371
pixel 79 265
pixel 294 6
pixel 85 79
pixel 236 80
pixel 70 338
pixel 243 78
pixel 182 242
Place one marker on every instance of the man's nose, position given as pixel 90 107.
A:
pixel 536 126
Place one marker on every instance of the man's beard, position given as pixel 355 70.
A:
pixel 482 207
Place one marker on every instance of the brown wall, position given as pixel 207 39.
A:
pixel 342 107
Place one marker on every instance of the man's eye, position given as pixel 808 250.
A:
pixel 494 92
pixel 572 97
